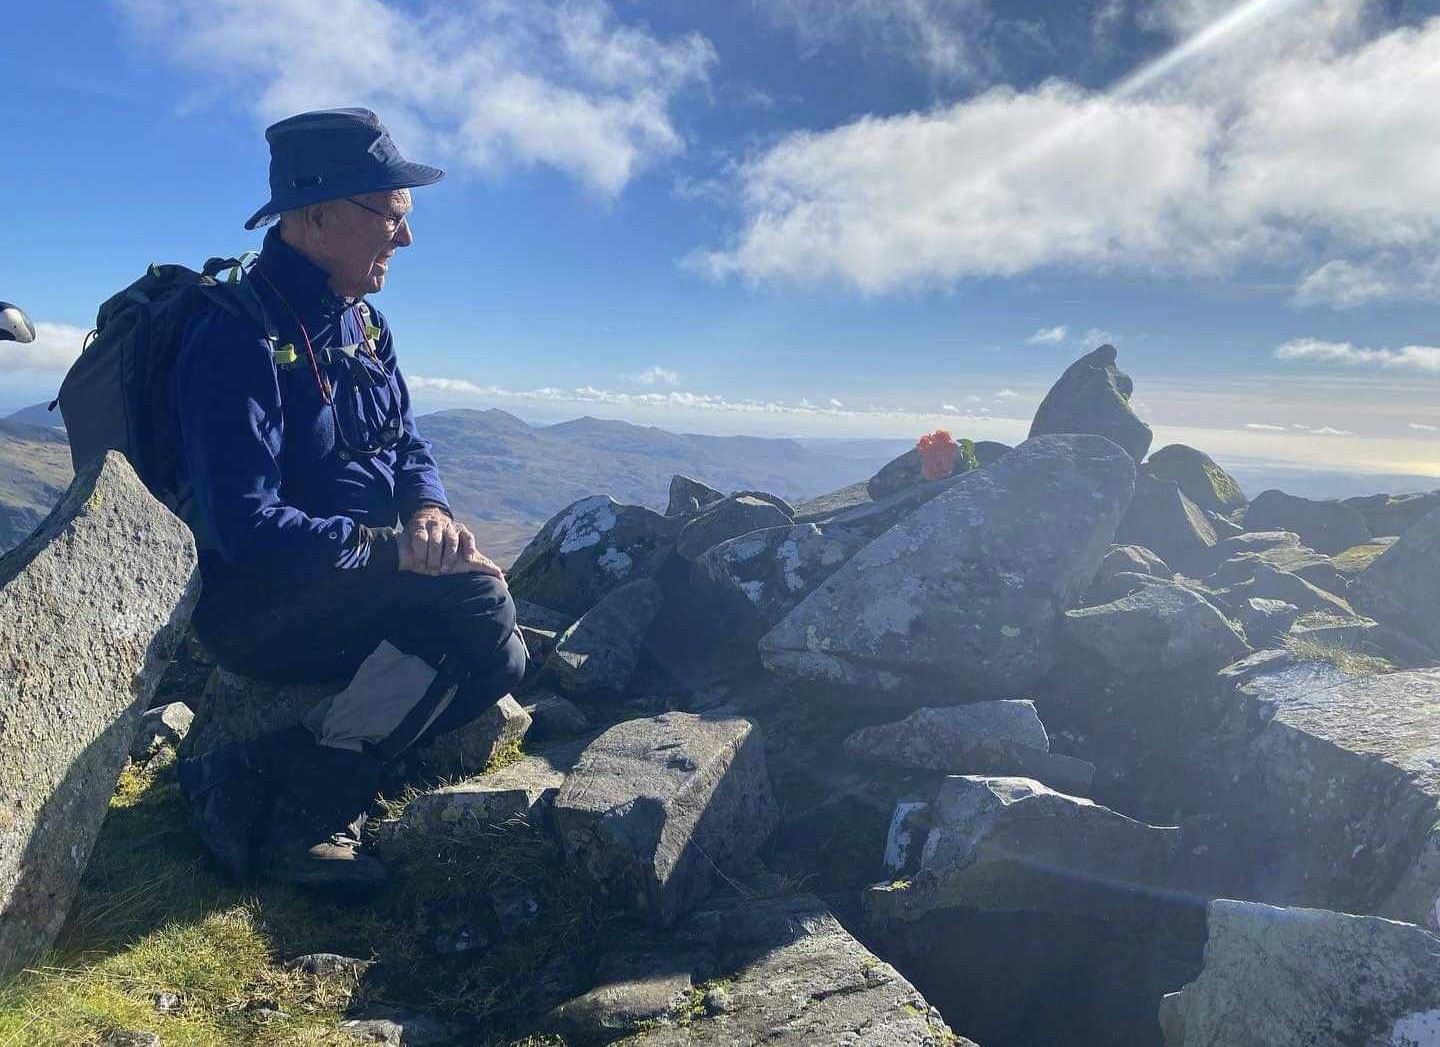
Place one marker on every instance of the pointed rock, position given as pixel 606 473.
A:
pixel 690 496
pixel 596 656
pixel 1093 396
pixel 1204 483
pixel 736 515
pixel 92 606
pixel 1162 519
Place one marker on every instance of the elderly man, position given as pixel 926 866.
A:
pixel 301 456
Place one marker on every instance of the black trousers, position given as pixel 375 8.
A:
pixel 284 631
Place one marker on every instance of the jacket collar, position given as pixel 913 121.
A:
pixel 302 284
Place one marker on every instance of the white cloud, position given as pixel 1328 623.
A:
pixel 1328 430
pixel 55 348
pixel 486 84
pixel 943 37
pixel 1389 276
pixel 1006 394
pixel 1422 358
pixel 656 375
pixel 1238 127
pixel 1097 337
pixel 949 408
pixel 1421 427
pixel 1050 335
pixel 835 403
pixel 1265 427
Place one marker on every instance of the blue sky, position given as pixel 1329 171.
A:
pixel 813 217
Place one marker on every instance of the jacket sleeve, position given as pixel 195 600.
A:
pixel 231 431
pixel 417 477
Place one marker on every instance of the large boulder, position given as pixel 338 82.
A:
pixel 1195 472
pixel 658 810
pixel 595 658
pixel 1394 514
pixel 909 469
pixel 92 606
pixel 1003 845
pixel 774 569
pixel 588 549
pixel 729 518
pixel 1305 976
pixel 1402 585
pixel 1166 522
pixel 969 587
pixel 1326 526
pixel 1093 396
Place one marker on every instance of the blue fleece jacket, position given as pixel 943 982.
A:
pixel 274 491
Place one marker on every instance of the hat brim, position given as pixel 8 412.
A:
pixel 404 175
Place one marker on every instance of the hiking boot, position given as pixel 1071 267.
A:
pixel 229 792
pixel 294 852
pixel 313 836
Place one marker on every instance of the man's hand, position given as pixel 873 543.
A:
pixel 432 543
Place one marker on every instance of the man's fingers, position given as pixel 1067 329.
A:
pixel 449 550
pixel 467 542
pixel 434 545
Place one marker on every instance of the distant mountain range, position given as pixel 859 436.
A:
pixel 506 477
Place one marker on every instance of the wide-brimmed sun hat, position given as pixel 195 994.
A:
pixel 332 153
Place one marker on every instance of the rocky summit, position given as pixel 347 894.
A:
pixel 1069 746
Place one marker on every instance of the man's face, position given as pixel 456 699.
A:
pixel 354 245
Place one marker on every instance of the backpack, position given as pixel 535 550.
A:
pixel 119 394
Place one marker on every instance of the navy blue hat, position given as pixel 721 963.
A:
pixel 333 153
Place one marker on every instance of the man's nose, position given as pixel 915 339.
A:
pixel 403 236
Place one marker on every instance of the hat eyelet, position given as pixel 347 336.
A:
pixel 307 182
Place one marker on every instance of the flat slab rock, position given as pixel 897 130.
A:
pixel 795 978
pixel 775 568
pixel 595 658
pixel 971 585
pixel 1002 845
pixel 1160 627
pixel 658 810
pixel 1306 976
pixel 92 606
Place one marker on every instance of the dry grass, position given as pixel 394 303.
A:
pixel 1346 659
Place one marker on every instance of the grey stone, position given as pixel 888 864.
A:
pixel 773 499
pixel 971 585
pixel 1402 585
pixel 946 738
pixel 774 569
pixel 823 507
pixel 1394 514
pixel 1162 519
pixel 1270 583
pixel 869 518
pixel 736 515
pixel 796 978
pixel 1012 845
pixel 469 749
pixel 92 605
pixel 128 1038
pixel 552 716
pixel 1132 558
pixel 1307 976
pixel 1127 583
pixel 1160 627
pixel 1265 621
pixel 658 809
pixel 1093 396
pixel 690 496
pixel 588 549
pixel 167 1003
pixel 515 906
pixel 987 452
pixel 399 1029
pixel 596 656
pixel 165 725
pixel 908 470
pixel 524 790
pixel 1327 527
pixel 1203 482
pixel 1004 738
pixel 1258 543
pixel 329 965
pixel 634 990
pixel 1339 775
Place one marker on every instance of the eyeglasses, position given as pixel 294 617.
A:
pixel 395 220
